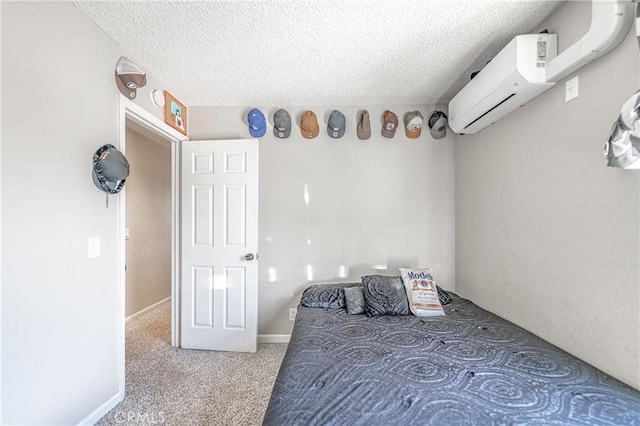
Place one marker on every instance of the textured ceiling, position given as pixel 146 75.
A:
pixel 329 52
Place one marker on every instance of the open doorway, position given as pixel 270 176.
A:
pixel 153 127
pixel 148 215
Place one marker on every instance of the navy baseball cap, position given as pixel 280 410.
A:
pixel 337 124
pixel 257 123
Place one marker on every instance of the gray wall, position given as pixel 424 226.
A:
pixel 59 308
pixel 546 235
pixel 148 219
pixel 381 203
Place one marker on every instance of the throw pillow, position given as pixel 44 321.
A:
pixel 325 295
pixel 354 300
pixel 422 292
pixel 443 296
pixel 384 296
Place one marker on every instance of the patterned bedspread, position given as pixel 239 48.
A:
pixel 468 368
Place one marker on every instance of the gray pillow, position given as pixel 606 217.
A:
pixel 443 296
pixel 354 300
pixel 384 296
pixel 325 295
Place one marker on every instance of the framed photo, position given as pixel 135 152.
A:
pixel 175 113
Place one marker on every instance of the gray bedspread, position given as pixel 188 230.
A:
pixel 468 368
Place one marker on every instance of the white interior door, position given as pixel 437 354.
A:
pixel 219 302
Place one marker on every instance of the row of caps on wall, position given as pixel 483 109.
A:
pixel 337 124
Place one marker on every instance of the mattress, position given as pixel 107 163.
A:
pixel 470 367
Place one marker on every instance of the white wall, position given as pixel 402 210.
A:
pixel 376 203
pixel 148 219
pixel 59 308
pixel 546 235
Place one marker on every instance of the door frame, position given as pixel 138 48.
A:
pixel 129 110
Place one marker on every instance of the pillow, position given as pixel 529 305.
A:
pixel 422 292
pixel 384 296
pixel 354 300
pixel 325 295
pixel 443 296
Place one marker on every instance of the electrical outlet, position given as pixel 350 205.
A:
pixel 292 314
pixel 571 89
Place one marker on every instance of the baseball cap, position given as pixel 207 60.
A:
pixel 363 129
pixel 129 77
pixel 257 123
pixel 389 124
pixel 337 124
pixel 110 169
pixel 281 124
pixel 438 124
pixel 309 125
pixel 413 124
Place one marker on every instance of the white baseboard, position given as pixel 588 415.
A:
pixel 274 338
pixel 147 309
pixel 93 418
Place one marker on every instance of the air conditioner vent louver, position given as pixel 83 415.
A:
pixel 496 106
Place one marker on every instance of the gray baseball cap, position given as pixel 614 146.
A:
pixel 363 129
pixel 438 124
pixel 281 124
pixel 110 169
pixel 337 124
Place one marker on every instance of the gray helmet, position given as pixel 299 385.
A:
pixel 110 169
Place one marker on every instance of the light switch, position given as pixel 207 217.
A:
pixel 94 247
pixel 126 233
pixel 571 89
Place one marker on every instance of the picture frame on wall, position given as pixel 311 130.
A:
pixel 175 113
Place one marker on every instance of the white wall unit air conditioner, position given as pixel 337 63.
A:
pixel 528 66
pixel 515 76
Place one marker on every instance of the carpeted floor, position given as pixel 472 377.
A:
pixel 170 386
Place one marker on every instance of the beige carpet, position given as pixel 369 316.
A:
pixel 170 386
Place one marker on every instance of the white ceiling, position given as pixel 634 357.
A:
pixel 320 52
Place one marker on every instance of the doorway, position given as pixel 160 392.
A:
pixel 129 111
pixel 147 221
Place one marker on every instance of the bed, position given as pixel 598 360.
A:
pixel 469 367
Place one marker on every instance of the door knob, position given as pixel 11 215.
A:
pixel 249 257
